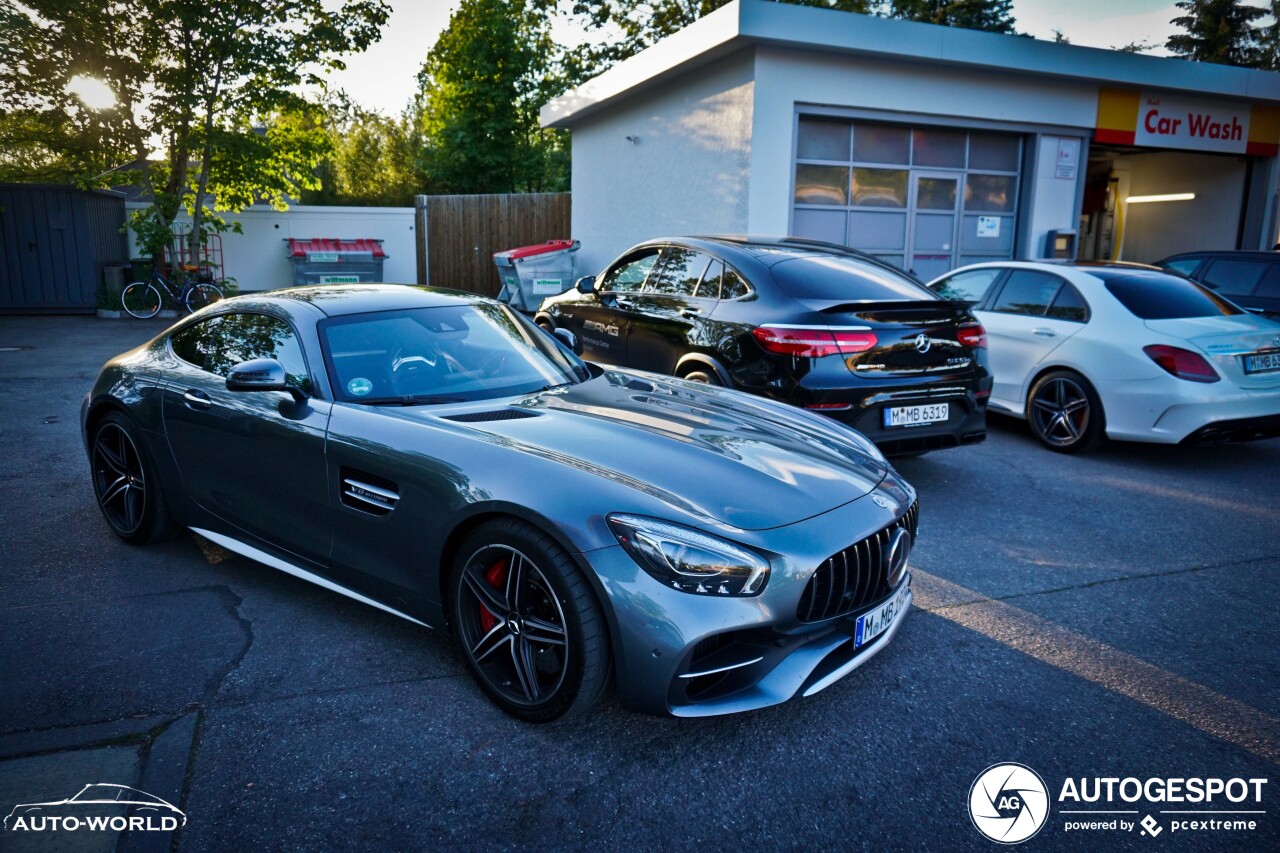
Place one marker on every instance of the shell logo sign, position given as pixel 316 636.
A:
pixel 1158 120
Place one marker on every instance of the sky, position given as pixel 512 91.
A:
pixel 384 77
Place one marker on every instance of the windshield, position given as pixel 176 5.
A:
pixel 1160 296
pixel 452 353
pixel 841 279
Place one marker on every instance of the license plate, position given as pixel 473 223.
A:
pixel 1263 362
pixel 873 624
pixel 909 416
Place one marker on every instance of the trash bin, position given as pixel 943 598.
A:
pixel 327 260
pixel 532 273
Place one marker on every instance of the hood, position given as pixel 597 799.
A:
pixel 729 457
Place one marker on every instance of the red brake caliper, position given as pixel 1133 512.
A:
pixel 497 578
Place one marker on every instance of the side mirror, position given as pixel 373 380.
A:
pixel 261 374
pixel 569 339
pixel 586 284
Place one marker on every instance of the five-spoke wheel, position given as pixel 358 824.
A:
pixel 130 499
pixel 1065 413
pixel 527 622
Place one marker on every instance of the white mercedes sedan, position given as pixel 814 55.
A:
pixel 1090 351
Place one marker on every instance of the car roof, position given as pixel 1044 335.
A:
pixel 753 251
pixel 1246 254
pixel 339 299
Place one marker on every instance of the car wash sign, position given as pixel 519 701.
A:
pixel 1160 120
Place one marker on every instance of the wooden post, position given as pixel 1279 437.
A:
pixel 420 226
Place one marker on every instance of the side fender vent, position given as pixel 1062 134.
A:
pixel 497 415
pixel 368 493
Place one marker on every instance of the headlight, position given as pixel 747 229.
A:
pixel 690 560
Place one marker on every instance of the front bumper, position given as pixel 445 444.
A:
pixel 662 636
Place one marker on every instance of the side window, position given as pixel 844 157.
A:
pixel 734 286
pixel 969 286
pixel 1069 305
pixel 710 286
pixel 680 272
pixel 1270 287
pixel 629 275
pixel 1027 292
pixel 220 343
pixel 1234 278
pixel 1184 266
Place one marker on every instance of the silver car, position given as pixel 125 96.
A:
pixel 438 456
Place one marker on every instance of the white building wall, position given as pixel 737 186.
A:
pixel 1050 192
pixel 687 172
pixel 787 78
pixel 258 258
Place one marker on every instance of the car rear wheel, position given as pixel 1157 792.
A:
pixel 704 375
pixel 126 486
pixel 1065 413
pixel 527 623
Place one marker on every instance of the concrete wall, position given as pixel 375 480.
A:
pixel 1209 221
pixel 687 172
pixel 257 259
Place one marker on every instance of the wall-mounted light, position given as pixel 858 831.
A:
pixel 633 139
pixel 1147 199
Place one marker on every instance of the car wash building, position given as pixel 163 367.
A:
pixel 929 146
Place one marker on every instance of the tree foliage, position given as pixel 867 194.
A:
pixel 1221 31
pixel 991 15
pixel 213 84
pixel 481 87
pixel 372 160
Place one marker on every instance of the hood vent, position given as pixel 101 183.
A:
pixel 497 415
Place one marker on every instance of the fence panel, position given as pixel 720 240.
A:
pixel 458 234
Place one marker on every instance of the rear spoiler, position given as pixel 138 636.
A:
pixel 893 305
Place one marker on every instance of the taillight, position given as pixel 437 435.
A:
pixel 972 335
pixel 1182 363
pixel 812 343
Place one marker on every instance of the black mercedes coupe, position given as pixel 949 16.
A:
pixel 811 324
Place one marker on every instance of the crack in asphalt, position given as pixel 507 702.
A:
pixel 983 599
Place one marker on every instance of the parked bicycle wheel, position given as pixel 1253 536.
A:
pixel 201 295
pixel 141 300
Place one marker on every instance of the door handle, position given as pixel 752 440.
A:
pixel 197 399
pixel 690 312
pixel 1044 333
pixel 625 303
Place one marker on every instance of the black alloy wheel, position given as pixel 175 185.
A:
pixel 130 498
pixel 527 623
pixel 1065 413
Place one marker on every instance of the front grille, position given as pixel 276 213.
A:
pixel 853 578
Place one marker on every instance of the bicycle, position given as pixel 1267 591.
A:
pixel 144 300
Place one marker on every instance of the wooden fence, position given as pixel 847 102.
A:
pixel 458 234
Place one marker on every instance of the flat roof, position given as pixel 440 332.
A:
pixel 747 23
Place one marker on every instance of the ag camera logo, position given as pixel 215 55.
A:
pixel 1008 803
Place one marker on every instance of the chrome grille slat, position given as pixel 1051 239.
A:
pixel 854 577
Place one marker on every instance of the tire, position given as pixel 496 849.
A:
pixel 702 375
pixel 202 295
pixel 1065 413
pixel 141 300
pixel 555 662
pixel 126 484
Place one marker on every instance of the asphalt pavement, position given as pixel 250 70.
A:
pixel 1109 615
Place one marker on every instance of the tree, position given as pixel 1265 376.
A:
pixel 991 15
pixel 643 22
pixel 481 87
pixel 213 83
pixel 372 158
pixel 1220 31
pixel 1269 40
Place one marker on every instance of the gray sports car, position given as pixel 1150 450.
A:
pixel 436 455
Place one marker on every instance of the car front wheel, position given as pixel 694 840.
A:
pixel 527 623
pixel 1065 413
